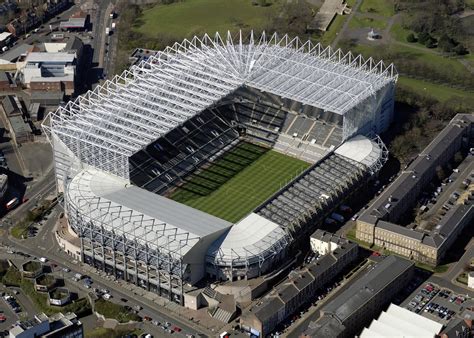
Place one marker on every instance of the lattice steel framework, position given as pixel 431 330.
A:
pixel 107 125
pixel 123 241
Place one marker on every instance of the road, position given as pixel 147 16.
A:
pixel 45 245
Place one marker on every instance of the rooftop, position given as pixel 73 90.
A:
pixel 73 23
pixel 141 213
pixel 187 78
pixel 405 182
pixel 366 287
pixel 43 57
pixel 398 322
pixel 297 281
pixel 4 36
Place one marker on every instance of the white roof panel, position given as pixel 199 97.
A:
pixel 398 322
pixel 178 83
pixel 140 213
pixel 252 237
pixel 361 149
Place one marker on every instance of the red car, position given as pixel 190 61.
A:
pixel 177 329
pixel 2 317
pixel 148 319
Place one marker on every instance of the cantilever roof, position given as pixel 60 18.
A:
pixel 253 237
pixel 139 213
pixel 142 104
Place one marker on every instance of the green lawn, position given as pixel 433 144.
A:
pixel 421 55
pixel 440 92
pixel 380 7
pixel 399 33
pixel 239 181
pixel 190 17
pixel 360 22
pixel 115 311
pixel 333 30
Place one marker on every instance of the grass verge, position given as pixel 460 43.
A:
pixel 80 307
pixel 334 29
pixel 439 92
pixel 115 311
pixel 360 22
pixel 380 7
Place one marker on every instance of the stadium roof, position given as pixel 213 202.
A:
pixel 150 218
pixel 143 103
pixel 252 239
pixel 371 153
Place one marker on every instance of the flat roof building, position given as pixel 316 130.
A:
pixel 55 326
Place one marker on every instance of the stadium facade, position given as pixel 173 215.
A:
pixel 121 148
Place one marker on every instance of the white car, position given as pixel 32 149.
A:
pixel 43 259
pixel 107 296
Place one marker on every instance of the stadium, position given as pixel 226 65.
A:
pixel 214 157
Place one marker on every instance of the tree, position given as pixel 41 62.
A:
pixel 411 38
pixel 446 44
pixel 423 37
pixel 461 50
pixel 430 43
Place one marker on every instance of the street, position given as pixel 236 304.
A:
pixel 45 245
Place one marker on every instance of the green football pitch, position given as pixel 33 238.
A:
pixel 239 181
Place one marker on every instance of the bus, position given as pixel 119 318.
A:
pixel 13 203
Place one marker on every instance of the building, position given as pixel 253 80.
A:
pixel 47 98
pixel 378 223
pixel 77 22
pixel 12 106
pixel 5 82
pixel 56 326
pixel 30 19
pixel 109 144
pixel 20 131
pixel 323 242
pixel 5 39
pixel 398 322
pixel 300 289
pixel 470 279
pixel 45 71
pixel 362 300
pixel 326 14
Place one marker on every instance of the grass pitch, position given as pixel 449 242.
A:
pixel 239 181
pixel 190 17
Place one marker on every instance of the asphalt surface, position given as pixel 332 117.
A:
pixel 45 245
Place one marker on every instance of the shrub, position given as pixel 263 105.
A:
pixel 115 311
pixel 411 38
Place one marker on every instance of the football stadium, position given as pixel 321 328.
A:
pixel 215 157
